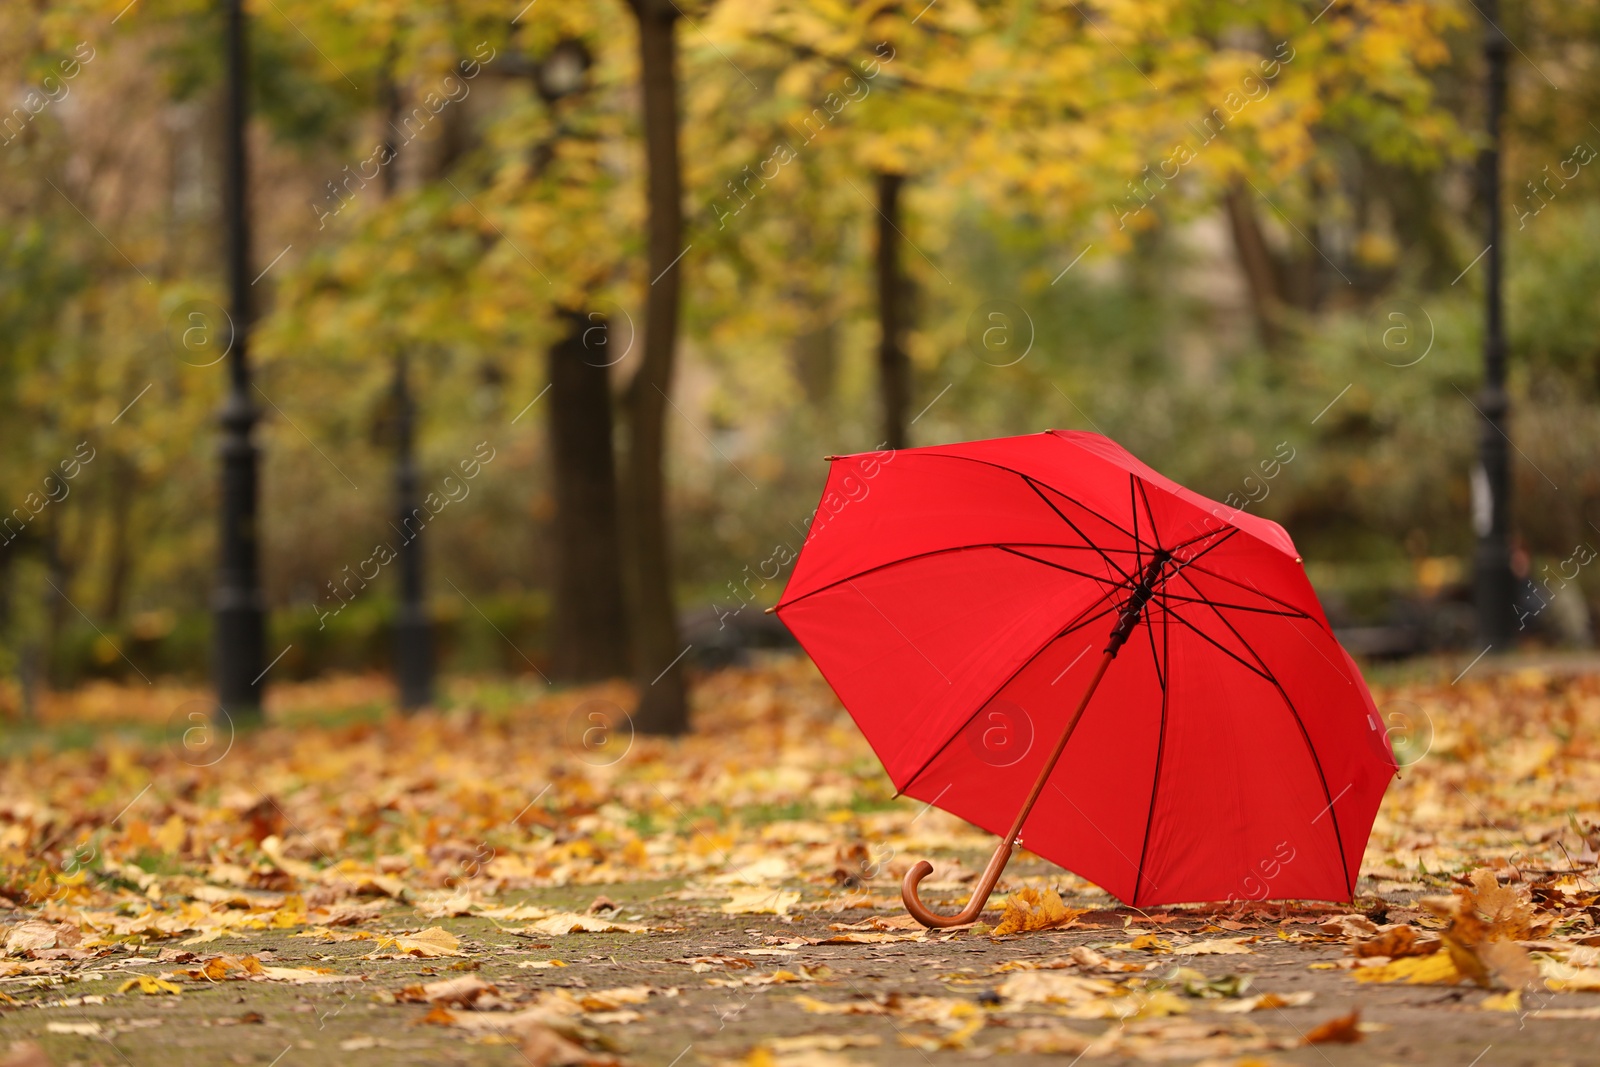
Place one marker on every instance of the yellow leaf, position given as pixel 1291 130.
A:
pixel 434 941
pixel 1148 943
pixel 149 986
pixel 171 836
pixel 1437 969
pixel 761 901
pixel 1213 947
pixel 1511 1001
pixel 1029 909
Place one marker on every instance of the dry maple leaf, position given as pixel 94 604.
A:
pixel 1030 909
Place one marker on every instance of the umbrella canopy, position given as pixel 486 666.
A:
pixel 960 600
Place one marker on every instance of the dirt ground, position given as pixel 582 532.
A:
pixel 694 1016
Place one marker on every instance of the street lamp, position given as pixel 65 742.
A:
pixel 1493 585
pixel 238 607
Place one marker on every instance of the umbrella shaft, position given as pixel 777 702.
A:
pixel 1061 745
pixel 1002 855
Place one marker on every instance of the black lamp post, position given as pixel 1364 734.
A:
pixel 413 639
pixel 1494 587
pixel 237 605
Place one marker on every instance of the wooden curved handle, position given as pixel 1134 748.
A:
pixel 1002 855
pixel 980 892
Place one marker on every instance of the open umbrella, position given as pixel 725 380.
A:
pixel 1047 638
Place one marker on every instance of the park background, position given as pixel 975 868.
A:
pixel 1244 240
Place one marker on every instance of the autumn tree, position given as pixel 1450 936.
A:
pixel 658 661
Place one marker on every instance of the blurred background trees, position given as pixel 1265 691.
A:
pixel 1239 238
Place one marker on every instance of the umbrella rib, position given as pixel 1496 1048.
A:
pixel 1062 516
pixel 1161 740
pixel 1258 592
pixel 1133 507
pixel 1227 536
pixel 1058 635
pixel 928 555
pixel 1219 646
pixel 1144 495
pixel 1305 735
pixel 1063 567
pixel 1180 598
pixel 1228 529
pixel 1033 482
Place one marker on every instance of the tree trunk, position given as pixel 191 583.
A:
pixel 1260 271
pixel 590 632
pixel 657 656
pixel 119 568
pixel 894 367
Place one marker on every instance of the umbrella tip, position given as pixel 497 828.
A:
pixel 829 459
pixel 770 611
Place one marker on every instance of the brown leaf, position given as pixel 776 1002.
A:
pixel 439 1015
pixel 1343 1030
pixel 543 1047
pixel 460 992
pixel 1395 942
pixel 1509 965
pixel 34 935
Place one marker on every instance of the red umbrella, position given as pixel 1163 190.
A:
pixel 967 601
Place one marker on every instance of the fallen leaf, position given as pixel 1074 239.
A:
pixel 432 942
pixel 1215 947
pixel 34 935
pixel 820 1043
pixel 1508 1001
pixel 1437 969
pixel 1147 943
pixel 1342 1030
pixel 1264 1002
pixel 840 1007
pixel 461 992
pixel 149 986
pixel 570 922
pixel 1564 978
pixel 544 1047
pixel 761 901
pixel 1395 943
pixel 1053 987
pixel 1029 909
